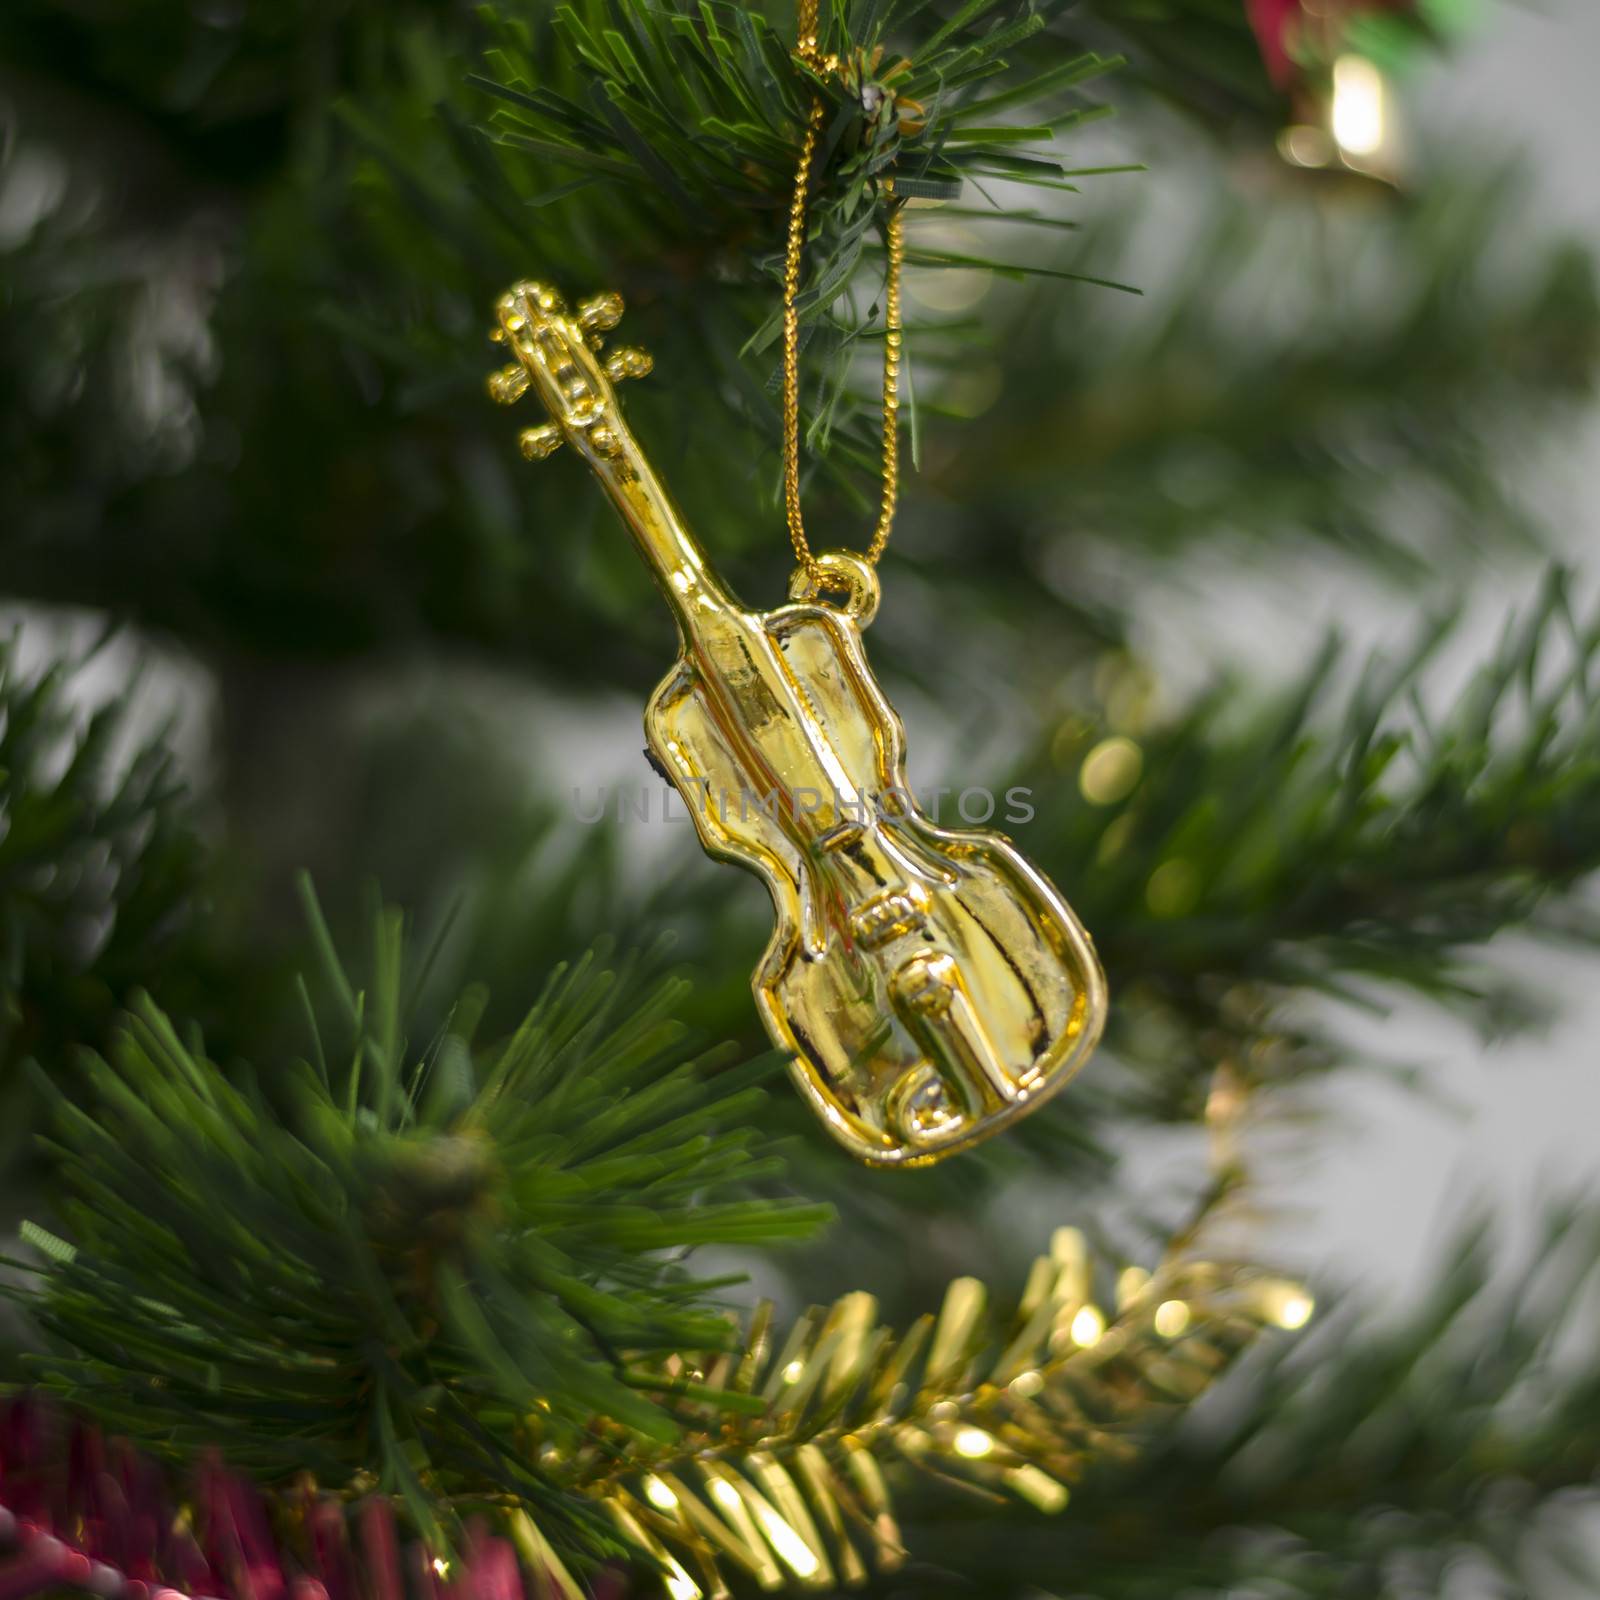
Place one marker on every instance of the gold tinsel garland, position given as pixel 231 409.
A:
pixel 801 1494
pixel 799 1490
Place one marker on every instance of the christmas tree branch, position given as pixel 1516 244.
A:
pixel 684 130
pixel 802 1492
pixel 455 1277
pixel 384 1264
pixel 187 1320
pixel 1372 842
pixel 378 225
pixel 696 113
pixel 101 876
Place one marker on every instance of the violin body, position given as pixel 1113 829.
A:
pixel 929 984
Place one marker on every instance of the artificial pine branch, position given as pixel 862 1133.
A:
pixel 1457 1436
pixel 1369 842
pixel 679 133
pixel 803 1492
pixel 369 501
pixel 405 1267
pixel 694 112
pixel 793 1459
pixel 452 1278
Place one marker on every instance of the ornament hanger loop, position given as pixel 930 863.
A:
pixel 842 572
pixel 809 51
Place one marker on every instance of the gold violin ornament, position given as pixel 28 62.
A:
pixel 930 985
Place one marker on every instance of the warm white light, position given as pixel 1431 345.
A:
pixel 441 1566
pixel 973 1443
pixel 1358 109
pixel 1295 1312
pixel 680 1586
pixel 949 288
pixel 659 1495
pixel 1088 1326
pixel 1287 1304
pixel 1110 771
pixel 1171 1318
pixel 789 1545
pixel 1038 1487
pixel 792 1372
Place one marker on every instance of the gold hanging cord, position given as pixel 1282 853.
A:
pixel 807 49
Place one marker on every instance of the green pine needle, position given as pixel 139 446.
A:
pixel 101 876
pixel 422 1268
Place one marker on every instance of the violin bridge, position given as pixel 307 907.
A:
pixel 889 916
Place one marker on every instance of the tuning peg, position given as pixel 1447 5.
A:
pixel 509 384
pixel 627 361
pixel 600 313
pixel 539 444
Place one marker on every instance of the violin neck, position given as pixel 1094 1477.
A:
pixel 670 551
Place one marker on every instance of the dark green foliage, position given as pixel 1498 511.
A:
pixel 374 497
pixel 436 1261
pixel 101 877
pixel 225 96
pixel 329 479
pixel 1192 52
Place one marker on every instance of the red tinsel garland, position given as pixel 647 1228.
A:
pixel 1279 25
pixel 79 1511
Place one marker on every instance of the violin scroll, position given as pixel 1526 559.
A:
pixel 557 355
